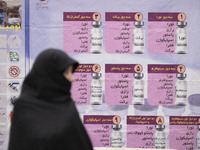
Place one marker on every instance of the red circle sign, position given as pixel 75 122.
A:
pixel 14 71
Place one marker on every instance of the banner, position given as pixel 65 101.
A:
pixel 12 61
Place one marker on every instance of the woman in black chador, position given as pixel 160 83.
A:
pixel 45 117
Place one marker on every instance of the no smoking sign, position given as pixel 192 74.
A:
pixel 14 71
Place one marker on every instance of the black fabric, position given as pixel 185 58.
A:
pixel 45 117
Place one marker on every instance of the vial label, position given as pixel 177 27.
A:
pixel 181 93
pixel 138 94
pixel 96 94
pixel 116 142
pixel 159 142
pixel 181 39
pixel 139 39
pixel 96 42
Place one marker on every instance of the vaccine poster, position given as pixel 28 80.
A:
pixel 138 82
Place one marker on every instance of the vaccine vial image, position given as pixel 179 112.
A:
pixel 116 136
pixel 96 36
pixel 181 38
pixel 96 89
pixel 198 138
pixel 138 38
pixel 138 89
pixel 181 89
pixel 159 137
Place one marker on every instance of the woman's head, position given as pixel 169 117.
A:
pixel 51 74
pixel 52 62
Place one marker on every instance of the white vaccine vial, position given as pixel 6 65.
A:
pixel 198 138
pixel 160 137
pixel 96 89
pixel 138 89
pixel 116 136
pixel 96 36
pixel 181 38
pixel 138 38
pixel 181 89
